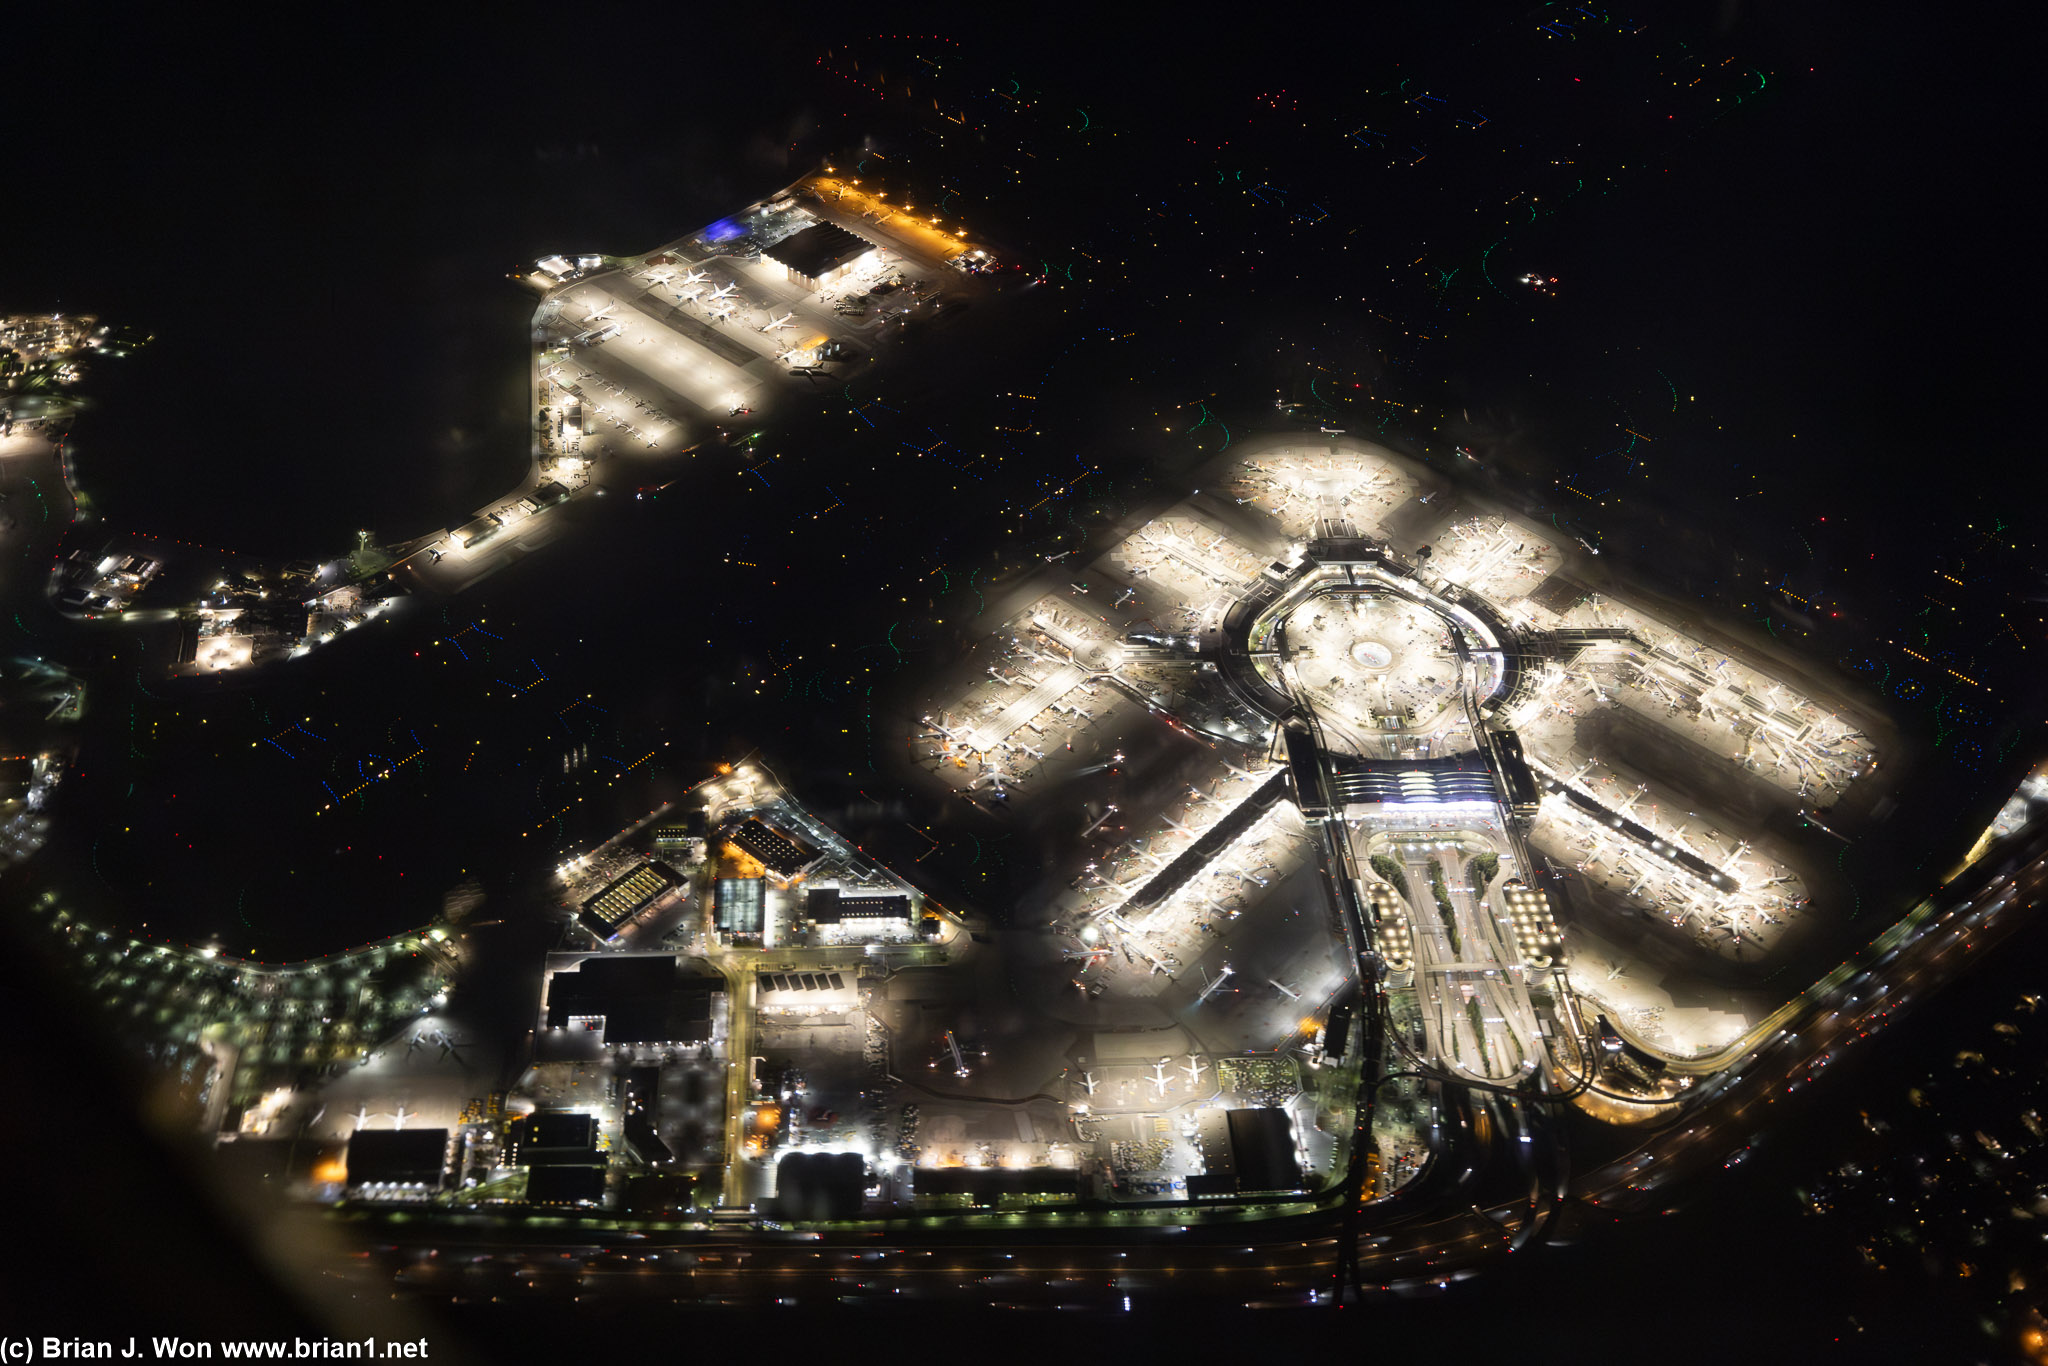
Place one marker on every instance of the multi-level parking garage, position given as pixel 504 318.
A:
pixel 1364 693
pixel 1380 685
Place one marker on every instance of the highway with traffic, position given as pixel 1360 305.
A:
pixel 1499 1181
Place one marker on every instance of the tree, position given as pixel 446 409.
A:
pixel 1484 869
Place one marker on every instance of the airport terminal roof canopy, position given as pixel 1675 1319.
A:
pixel 1450 778
pixel 820 248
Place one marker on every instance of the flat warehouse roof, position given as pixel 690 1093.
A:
pixel 774 849
pixel 740 904
pixel 397 1155
pixel 989 1182
pixel 642 1000
pixel 828 905
pixel 561 1129
pixel 820 1185
pixel 565 1185
pixel 1262 1148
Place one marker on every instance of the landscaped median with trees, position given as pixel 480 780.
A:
pixel 1443 905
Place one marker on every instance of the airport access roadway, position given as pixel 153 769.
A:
pixel 1500 1178
pixel 1486 1195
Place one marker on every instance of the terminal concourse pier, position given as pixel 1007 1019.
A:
pixel 1415 706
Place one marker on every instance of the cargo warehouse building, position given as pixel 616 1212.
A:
pixel 626 896
pixel 635 1000
pixel 820 255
